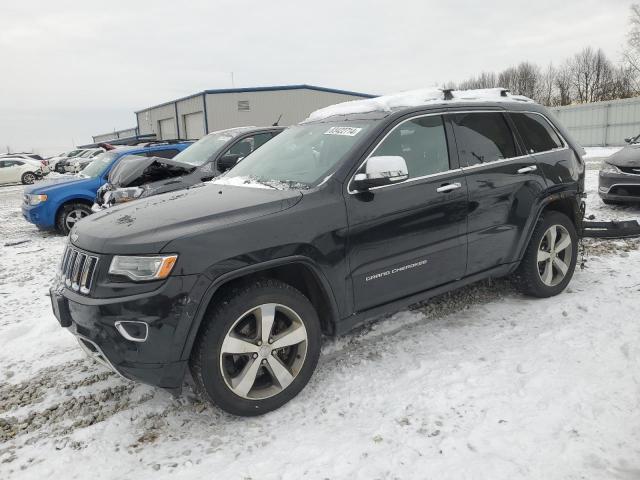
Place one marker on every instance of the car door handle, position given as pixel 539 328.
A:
pixel 530 168
pixel 448 187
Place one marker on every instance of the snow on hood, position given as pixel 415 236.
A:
pixel 241 182
pixel 413 98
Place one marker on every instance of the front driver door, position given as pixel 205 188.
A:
pixel 409 237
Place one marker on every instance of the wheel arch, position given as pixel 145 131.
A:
pixel 68 200
pixel 298 271
pixel 567 203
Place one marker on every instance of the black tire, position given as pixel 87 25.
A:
pixel 63 222
pixel 207 361
pixel 528 278
pixel 28 178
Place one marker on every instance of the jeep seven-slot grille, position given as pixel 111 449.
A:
pixel 77 270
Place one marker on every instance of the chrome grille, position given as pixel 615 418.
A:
pixel 77 270
pixel 630 170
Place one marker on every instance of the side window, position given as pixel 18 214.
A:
pixel 537 134
pixel 163 153
pixel 422 143
pixel 247 145
pixel 3 163
pixel 483 138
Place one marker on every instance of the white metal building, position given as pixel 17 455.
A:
pixel 601 123
pixel 196 115
pixel 116 135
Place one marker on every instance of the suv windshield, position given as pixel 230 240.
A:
pixel 207 147
pixel 302 155
pixel 98 165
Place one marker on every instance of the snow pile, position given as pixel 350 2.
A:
pixel 413 98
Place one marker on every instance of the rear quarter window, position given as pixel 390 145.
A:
pixel 536 132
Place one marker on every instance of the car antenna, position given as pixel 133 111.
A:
pixel 275 124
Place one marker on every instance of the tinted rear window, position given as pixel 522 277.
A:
pixel 483 138
pixel 537 135
pixel 163 153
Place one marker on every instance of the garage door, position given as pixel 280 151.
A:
pixel 167 129
pixel 194 125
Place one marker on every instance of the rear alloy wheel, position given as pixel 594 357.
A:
pixel 555 252
pixel 550 259
pixel 70 215
pixel 258 348
pixel 28 178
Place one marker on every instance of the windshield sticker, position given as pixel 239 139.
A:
pixel 348 131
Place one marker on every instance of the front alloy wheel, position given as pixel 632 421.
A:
pixel 264 351
pixel 257 348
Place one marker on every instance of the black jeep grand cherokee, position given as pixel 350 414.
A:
pixel 364 208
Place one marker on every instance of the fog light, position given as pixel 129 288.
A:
pixel 132 330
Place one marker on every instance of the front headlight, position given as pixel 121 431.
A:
pixel 608 168
pixel 143 268
pixel 122 195
pixel 35 199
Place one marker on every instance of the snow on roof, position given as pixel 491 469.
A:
pixel 415 98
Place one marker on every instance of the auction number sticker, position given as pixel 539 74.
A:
pixel 348 131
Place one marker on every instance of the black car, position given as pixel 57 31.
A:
pixel 364 209
pixel 619 178
pixel 137 177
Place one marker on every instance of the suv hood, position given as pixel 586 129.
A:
pixel 629 156
pixel 147 225
pixel 53 184
pixel 135 171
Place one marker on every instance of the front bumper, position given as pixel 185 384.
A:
pixel 168 312
pixel 619 187
pixel 38 215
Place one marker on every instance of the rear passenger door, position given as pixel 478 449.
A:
pixel 503 183
pixel 410 236
pixel 541 141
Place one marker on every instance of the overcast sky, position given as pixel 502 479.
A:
pixel 72 69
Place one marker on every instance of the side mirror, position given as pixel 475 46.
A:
pixel 628 139
pixel 380 171
pixel 227 162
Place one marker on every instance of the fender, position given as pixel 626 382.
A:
pixel 252 269
pixel 544 202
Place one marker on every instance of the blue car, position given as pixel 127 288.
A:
pixel 59 203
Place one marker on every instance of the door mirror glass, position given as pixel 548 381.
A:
pixel 380 171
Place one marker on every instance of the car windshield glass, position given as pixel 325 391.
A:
pixel 301 156
pixel 98 165
pixel 73 153
pixel 207 147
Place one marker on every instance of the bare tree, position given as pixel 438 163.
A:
pixel 564 92
pixel 547 86
pixel 591 75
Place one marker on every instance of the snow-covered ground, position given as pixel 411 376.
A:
pixel 480 383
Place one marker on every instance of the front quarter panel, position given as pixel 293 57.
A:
pixel 315 228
